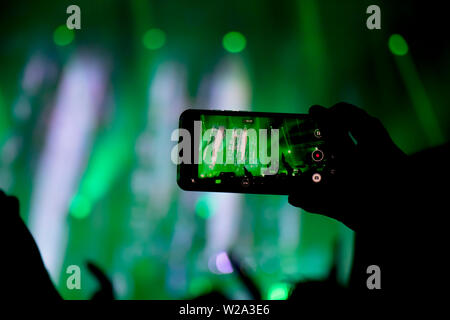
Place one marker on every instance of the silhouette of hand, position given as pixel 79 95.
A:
pixel 367 168
pixel 106 290
pixel 25 276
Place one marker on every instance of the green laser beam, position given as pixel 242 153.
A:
pixel 313 48
pixel 397 45
pixel 416 90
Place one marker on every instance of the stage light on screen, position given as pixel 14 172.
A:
pixel 234 42
pixel 154 39
pixel 62 36
pixel 398 45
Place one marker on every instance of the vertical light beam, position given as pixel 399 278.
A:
pixel 416 90
pixel 70 128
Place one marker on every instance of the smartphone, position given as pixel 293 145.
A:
pixel 248 152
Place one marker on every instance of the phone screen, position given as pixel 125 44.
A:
pixel 258 146
pixel 253 152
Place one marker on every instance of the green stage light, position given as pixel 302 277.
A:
pixel 154 39
pixel 398 45
pixel 205 207
pixel 200 286
pixel 234 42
pixel 62 36
pixel 103 169
pixel 278 291
pixel 80 207
pixel 421 103
pixel 202 208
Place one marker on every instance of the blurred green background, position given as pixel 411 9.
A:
pixel 86 118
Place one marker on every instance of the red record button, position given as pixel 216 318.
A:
pixel 317 155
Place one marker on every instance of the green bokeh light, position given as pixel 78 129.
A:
pixel 80 207
pixel 205 207
pixel 154 39
pixel 278 291
pixel 234 42
pixel 63 36
pixel 398 45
